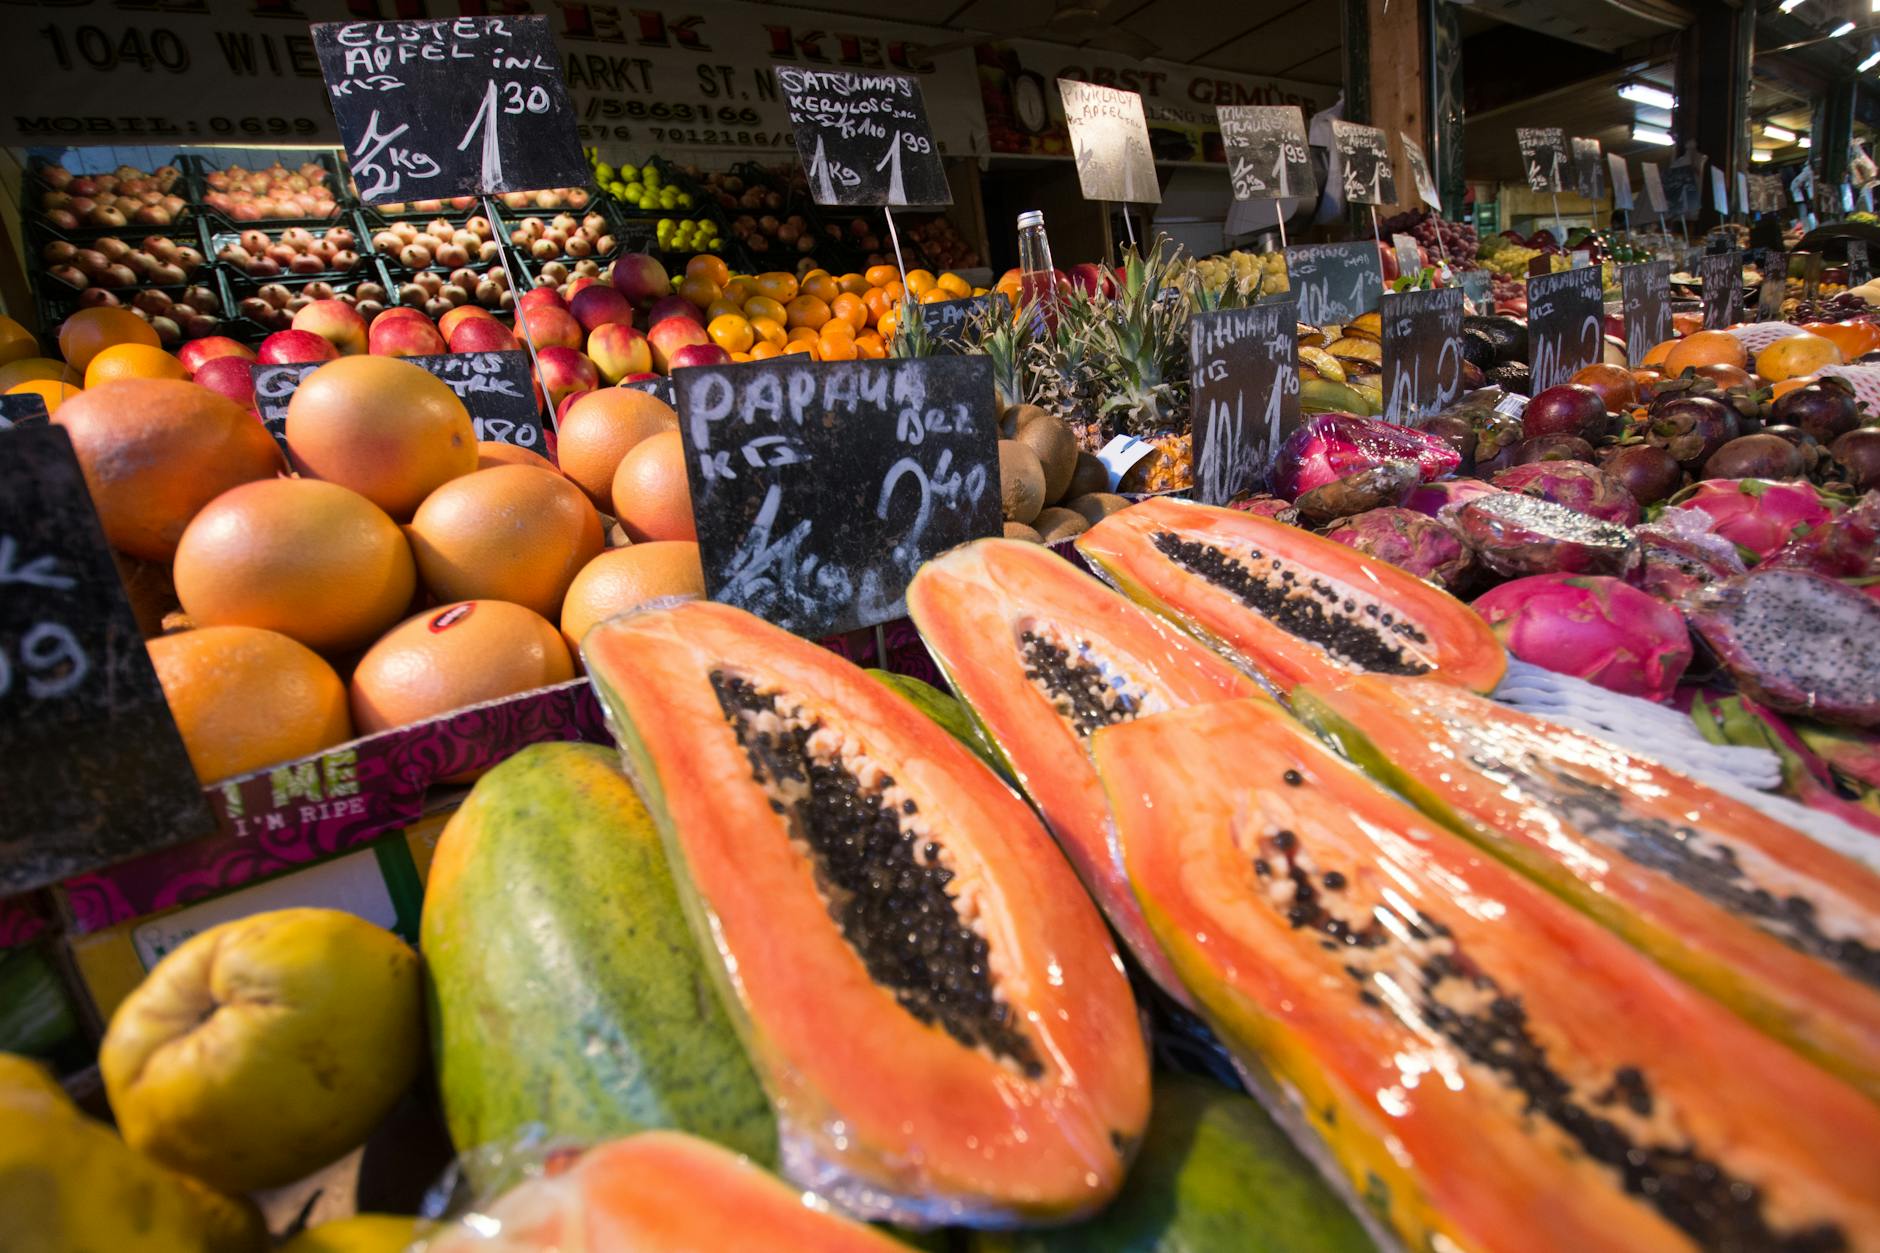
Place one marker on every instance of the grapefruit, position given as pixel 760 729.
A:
pixel 389 430
pixel 601 428
pixel 651 497
pixel 1705 348
pixel 90 331
pixel 453 656
pixel 1796 355
pixel 514 533
pixel 155 451
pixel 133 361
pixel 245 698
pixel 626 578
pixel 27 369
pixel 495 453
pixel 1657 354
pixel 315 561
pixel 51 392
pixel 16 342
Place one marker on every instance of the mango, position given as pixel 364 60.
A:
pixel 362 1233
pixel 265 1048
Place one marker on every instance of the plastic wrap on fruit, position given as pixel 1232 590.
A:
pixel 1679 552
pixel 1333 446
pixel 1797 641
pixel 1593 627
pixel 929 997
pixel 1431 1009
pixel 652 1193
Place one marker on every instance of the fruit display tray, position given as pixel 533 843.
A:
pixel 237 287
pixel 202 165
pixel 218 232
pixel 34 188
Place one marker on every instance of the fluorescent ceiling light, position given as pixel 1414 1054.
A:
pixel 1760 156
pixel 1646 135
pixel 1789 6
pixel 1645 93
pixel 1873 58
pixel 1806 142
pixel 1841 30
pixel 1778 132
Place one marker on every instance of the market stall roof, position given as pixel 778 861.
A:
pixel 1609 25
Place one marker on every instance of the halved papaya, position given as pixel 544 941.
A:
pixel 1492 1069
pixel 658 1192
pixel 1289 605
pixel 930 1000
pixel 1775 925
pixel 1043 655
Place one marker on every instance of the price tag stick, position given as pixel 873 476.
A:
pixel 515 288
pixel 1558 224
pixel 1281 219
pixel 1375 233
pixel 894 237
pixel 1129 228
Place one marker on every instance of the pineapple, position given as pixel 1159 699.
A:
pixel 1138 341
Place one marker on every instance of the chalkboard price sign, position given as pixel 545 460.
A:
pixel 1722 274
pixel 660 387
pixel 1589 168
pixel 863 138
pixel 1335 282
pixel 494 386
pixel 90 760
pixel 1565 324
pixel 947 320
pixel 1682 198
pixel 1268 157
pixel 1110 138
pixel 1244 364
pixel 818 488
pixel 1420 171
pixel 459 107
pixel 1422 352
pixel 1646 291
pixel 1543 156
pixel 1369 176
pixel 22 410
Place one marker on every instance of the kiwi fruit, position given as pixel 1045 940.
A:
pixel 1060 524
pixel 1014 419
pixel 1021 481
pixel 1090 476
pixel 1056 448
pixel 1018 530
pixel 1094 507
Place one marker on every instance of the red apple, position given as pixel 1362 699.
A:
pixel 618 350
pixel 483 334
pixel 674 307
pixel 405 337
pixel 541 296
pixel 230 375
pixel 335 321
pixel 641 279
pixel 669 335
pixel 549 327
pixel 565 372
pixel 291 347
pixel 447 325
pixel 197 352
pixel 598 305
pixel 699 354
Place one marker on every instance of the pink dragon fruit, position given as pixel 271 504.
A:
pixel 1594 627
pixel 1574 484
pixel 1798 642
pixel 1846 546
pixel 1406 538
pixel 1267 507
pixel 1757 515
pixel 1431 498
pixel 1516 535
pixel 1672 566
pixel 1334 446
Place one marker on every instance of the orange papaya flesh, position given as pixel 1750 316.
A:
pixel 1780 928
pixel 1043 654
pixel 929 997
pixel 1289 605
pixel 658 1192
pixel 1490 1068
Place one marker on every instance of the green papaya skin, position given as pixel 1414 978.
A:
pixel 1215 1175
pixel 565 989
pixel 948 713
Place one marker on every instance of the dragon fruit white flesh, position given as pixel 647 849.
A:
pixel 1517 535
pixel 1796 641
pixel 1406 538
pixel 1594 627
pixel 1574 484
pixel 1334 446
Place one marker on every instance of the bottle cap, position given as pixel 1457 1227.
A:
pixel 1030 217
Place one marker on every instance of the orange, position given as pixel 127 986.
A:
pixel 889 323
pixel 245 698
pixel 722 307
pixel 850 308
pixel 626 578
pixel 804 347
pixel 710 268
pixel 16 342
pixel 807 311
pixel 895 292
pixel 871 346
pixel 740 289
pixel 1687 323
pixel 876 298
pixel 764 350
pixel 731 332
pixel 651 497
pixel 495 453
pixel 920 282
pixel 934 295
pixel 29 369
pixel 155 451
pixel 700 291
pixel 1854 339
pixel 769 331
pixel 1795 356
pixel 836 328
pixel 800 335
pixel 1657 354
pixel 453 656
pixel 90 331
pixel 738 357
pixel 837 348
pixel 602 427
pixel 956 285
pixel 852 284
pixel 765 307
pixel 821 286
pixel 777 286
pixel 390 430
pixel 133 361
pixel 514 533
pixel 1705 348
pixel 51 392
pixel 315 561
pixel 881 275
